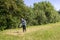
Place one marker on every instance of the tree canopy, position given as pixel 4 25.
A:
pixel 11 11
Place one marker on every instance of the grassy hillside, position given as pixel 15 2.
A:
pixel 42 32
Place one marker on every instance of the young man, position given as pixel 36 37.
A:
pixel 23 21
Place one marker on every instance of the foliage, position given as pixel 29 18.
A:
pixel 9 14
pixel 50 14
pixel 11 11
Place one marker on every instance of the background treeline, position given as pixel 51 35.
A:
pixel 11 11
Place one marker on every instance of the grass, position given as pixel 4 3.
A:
pixel 42 32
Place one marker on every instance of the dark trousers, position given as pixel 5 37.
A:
pixel 24 28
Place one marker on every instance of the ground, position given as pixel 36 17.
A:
pixel 42 32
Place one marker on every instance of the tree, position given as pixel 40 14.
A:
pixel 49 11
pixel 9 12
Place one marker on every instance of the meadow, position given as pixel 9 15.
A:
pixel 41 32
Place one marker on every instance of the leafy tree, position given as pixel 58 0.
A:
pixel 9 13
pixel 49 11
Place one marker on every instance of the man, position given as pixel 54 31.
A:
pixel 23 21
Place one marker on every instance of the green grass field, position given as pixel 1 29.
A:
pixel 42 32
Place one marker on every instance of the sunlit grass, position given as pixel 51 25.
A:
pixel 43 32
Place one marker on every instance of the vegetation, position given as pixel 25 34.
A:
pixel 42 32
pixel 11 11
